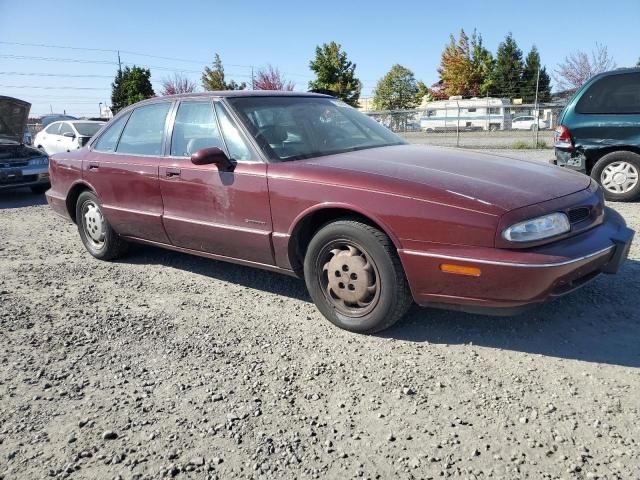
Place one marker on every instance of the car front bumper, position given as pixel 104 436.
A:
pixel 512 280
pixel 27 176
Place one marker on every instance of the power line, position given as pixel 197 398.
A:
pixel 66 75
pixel 53 88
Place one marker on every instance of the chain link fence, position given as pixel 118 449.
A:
pixel 475 123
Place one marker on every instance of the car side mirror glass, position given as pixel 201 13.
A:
pixel 69 134
pixel 209 155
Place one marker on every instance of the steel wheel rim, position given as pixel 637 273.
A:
pixel 93 224
pixel 619 177
pixel 349 278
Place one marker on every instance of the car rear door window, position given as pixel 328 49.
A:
pixel 66 128
pixel 143 133
pixel 195 128
pixel 109 139
pixel 53 129
pixel 615 94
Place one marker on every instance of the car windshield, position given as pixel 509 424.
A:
pixel 293 128
pixel 87 129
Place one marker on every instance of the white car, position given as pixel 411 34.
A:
pixel 527 122
pixel 65 136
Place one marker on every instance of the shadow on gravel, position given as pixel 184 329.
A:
pixel 599 323
pixel 19 198
pixel 264 280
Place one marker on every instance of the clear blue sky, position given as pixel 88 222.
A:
pixel 375 35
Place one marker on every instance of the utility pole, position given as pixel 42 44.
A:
pixel 119 64
pixel 536 114
pixel 253 83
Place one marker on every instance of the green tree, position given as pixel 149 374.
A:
pixel 638 63
pixel 465 67
pixel 130 86
pixel 530 78
pixel 213 78
pixel 423 91
pixel 335 74
pixel 483 65
pixel 397 90
pixel 507 73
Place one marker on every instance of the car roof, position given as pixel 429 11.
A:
pixel 233 94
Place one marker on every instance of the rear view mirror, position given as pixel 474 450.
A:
pixel 209 155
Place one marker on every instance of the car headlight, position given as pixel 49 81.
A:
pixel 39 161
pixel 538 228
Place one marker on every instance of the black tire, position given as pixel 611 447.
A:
pixel 599 175
pixel 40 189
pixel 392 297
pixel 112 245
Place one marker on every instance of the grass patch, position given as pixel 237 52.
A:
pixel 521 145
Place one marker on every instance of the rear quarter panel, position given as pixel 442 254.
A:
pixel 65 171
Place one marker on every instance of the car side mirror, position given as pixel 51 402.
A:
pixel 209 155
pixel 69 134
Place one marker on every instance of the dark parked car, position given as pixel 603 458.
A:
pixel 599 133
pixel 20 164
pixel 305 185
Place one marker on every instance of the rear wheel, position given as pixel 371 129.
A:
pixel 355 278
pixel 96 233
pixel 619 175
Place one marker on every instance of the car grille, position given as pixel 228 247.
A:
pixel 578 214
pixel 21 179
pixel 14 164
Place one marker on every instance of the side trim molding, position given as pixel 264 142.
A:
pixel 509 264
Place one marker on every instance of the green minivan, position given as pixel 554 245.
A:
pixel 598 133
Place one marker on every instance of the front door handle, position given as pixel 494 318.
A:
pixel 172 172
pixel 93 166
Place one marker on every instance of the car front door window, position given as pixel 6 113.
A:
pixel 195 128
pixel 237 146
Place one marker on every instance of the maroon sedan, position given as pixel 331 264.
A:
pixel 305 185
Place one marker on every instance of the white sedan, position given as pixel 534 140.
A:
pixel 65 136
pixel 527 122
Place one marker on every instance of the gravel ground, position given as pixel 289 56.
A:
pixel 167 365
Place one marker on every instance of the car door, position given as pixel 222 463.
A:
pixel 122 167
pixel 66 138
pixel 206 209
pixel 48 138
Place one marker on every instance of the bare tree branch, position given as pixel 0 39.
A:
pixel 270 78
pixel 578 67
pixel 177 84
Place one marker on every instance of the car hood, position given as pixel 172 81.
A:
pixel 13 118
pixel 469 179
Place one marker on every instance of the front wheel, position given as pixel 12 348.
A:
pixel 618 173
pixel 355 278
pixel 96 233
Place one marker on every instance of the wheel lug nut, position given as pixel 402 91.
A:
pixel 341 285
pixel 345 268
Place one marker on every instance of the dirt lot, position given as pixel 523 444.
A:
pixel 166 365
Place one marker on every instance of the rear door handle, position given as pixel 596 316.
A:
pixel 172 172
